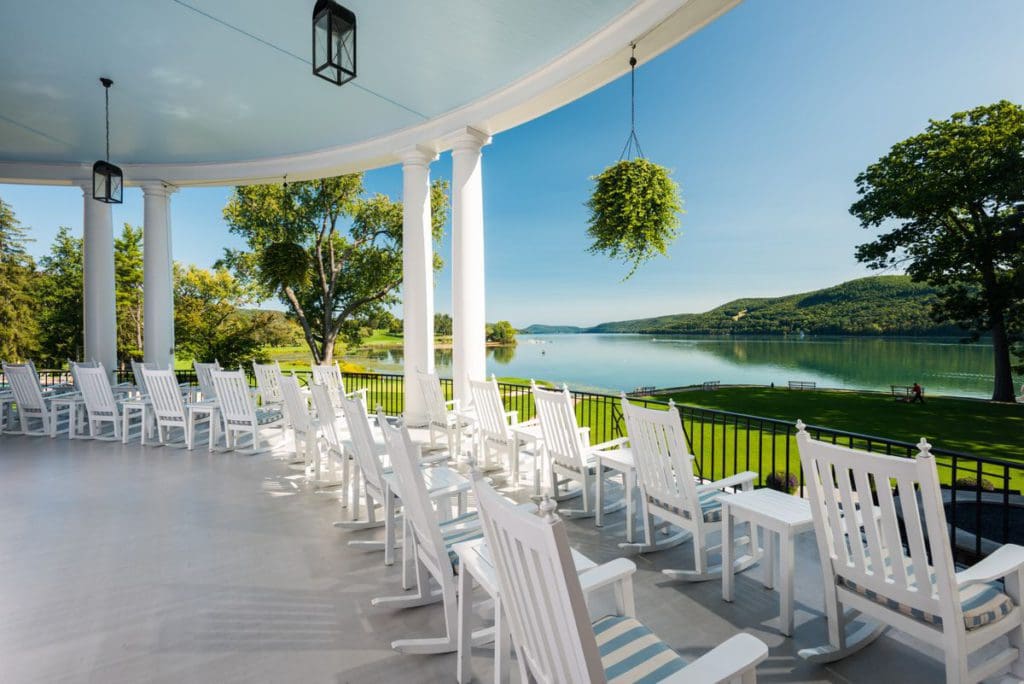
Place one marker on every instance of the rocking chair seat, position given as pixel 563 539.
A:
pixel 710 506
pixel 630 652
pixel 982 604
pixel 267 416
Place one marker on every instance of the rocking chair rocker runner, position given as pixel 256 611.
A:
pixel 670 493
pixel 554 637
pixel 879 566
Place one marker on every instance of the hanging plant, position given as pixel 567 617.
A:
pixel 635 206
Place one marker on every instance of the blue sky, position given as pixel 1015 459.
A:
pixel 765 117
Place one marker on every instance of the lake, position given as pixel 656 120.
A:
pixel 623 362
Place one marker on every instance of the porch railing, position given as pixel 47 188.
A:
pixel 984 503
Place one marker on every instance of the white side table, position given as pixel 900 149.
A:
pixel 784 516
pixel 527 432
pixel 74 406
pixel 193 414
pixel 130 406
pixel 620 461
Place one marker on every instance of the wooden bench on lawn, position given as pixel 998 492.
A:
pixel 802 385
pixel 710 385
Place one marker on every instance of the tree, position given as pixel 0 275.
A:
pixel 442 324
pixel 128 277
pixel 207 322
pixel 18 323
pixel 60 300
pixel 333 277
pixel 501 332
pixel 951 193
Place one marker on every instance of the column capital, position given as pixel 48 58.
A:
pixel 468 139
pixel 417 155
pixel 158 189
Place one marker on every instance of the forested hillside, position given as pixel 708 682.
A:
pixel 879 305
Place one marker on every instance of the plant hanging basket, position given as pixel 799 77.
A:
pixel 634 212
pixel 635 206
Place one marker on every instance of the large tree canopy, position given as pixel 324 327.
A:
pixel 333 256
pixel 948 201
pixel 60 299
pixel 128 279
pixel 18 339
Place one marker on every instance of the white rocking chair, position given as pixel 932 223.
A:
pixel 886 575
pixel 555 639
pixel 571 457
pixel 430 542
pixel 240 415
pixel 207 392
pixel 268 384
pixel 303 427
pixel 33 407
pixel 443 415
pixel 330 377
pixel 670 493
pixel 102 407
pixel 495 430
pixel 330 454
pixel 169 408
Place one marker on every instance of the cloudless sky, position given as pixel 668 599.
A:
pixel 766 117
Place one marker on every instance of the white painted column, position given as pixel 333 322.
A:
pixel 100 309
pixel 158 276
pixel 469 352
pixel 417 277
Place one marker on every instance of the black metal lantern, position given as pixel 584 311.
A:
pixel 334 42
pixel 107 179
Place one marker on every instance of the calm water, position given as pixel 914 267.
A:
pixel 622 362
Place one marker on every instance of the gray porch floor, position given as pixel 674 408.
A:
pixel 131 564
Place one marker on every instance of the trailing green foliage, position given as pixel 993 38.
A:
pixel 880 305
pixel 634 212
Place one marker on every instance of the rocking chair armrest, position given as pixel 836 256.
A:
pixel 744 478
pixel 512 417
pixel 612 572
pixel 616 443
pixel 455 404
pixel 724 662
pixel 1006 560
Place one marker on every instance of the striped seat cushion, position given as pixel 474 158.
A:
pixel 265 416
pixel 982 604
pixel 454 535
pixel 632 653
pixel 710 506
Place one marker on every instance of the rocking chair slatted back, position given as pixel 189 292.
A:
pixel 664 464
pixel 96 392
pixel 236 405
pixel 405 461
pixel 557 416
pixel 363 444
pixel 140 380
pixel 490 410
pixel 540 591
pixel 165 396
pixel 205 380
pixel 295 404
pixel 871 552
pixel 330 377
pixel 268 382
pixel 430 385
pixel 25 383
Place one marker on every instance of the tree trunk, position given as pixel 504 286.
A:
pixel 1003 381
pixel 328 355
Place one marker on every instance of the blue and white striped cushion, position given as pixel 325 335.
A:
pixel 632 653
pixel 451 537
pixel 982 604
pixel 710 505
pixel 265 416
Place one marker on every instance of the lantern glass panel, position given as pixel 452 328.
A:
pixel 99 184
pixel 116 187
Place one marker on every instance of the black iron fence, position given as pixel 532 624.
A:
pixel 984 506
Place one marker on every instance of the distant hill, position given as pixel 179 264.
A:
pixel 538 329
pixel 878 305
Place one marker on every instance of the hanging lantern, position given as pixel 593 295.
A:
pixel 107 179
pixel 334 42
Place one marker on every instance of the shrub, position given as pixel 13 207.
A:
pixel 781 482
pixel 972 483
